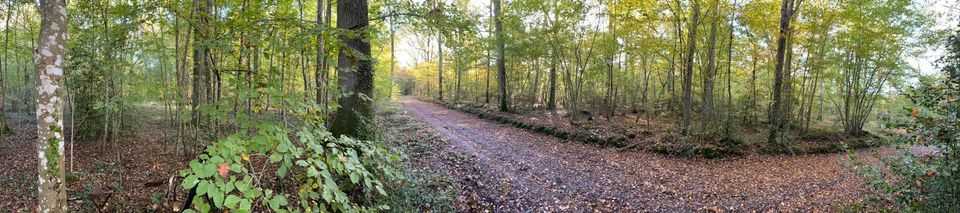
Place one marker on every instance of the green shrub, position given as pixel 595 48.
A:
pixel 328 173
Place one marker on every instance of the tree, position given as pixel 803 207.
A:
pixel 4 65
pixel 688 70
pixel 50 57
pixel 777 121
pixel 501 66
pixel 201 77
pixel 869 58
pixel 320 74
pixel 355 72
pixel 708 78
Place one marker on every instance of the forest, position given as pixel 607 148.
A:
pixel 480 106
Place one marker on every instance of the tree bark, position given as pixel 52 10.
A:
pixel 50 56
pixel 200 54
pixel 776 110
pixel 708 78
pixel 501 66
pixel 440 66
pixel 688 70
pixel 319 77
pixel 355 73
pixel 4 64
pixel 552 94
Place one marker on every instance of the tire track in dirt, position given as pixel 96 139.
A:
pixel 524 171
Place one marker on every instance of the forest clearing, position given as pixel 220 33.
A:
pixel 480 106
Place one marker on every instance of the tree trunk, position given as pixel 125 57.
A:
pixel 729 106
pixel 776 110
pixel 486 91
pixel 200 53
pixel 688 70
pixel 355 73
pixel 552 94
pixel 50 55
pixel 440 66
pixel 708 78
pixel 457 70
pixel 501 66
pixel 319 77
pixel 4 64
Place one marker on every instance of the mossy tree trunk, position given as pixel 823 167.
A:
pixel 51 189
pixel 355 73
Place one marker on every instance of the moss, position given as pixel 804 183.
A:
pixel 52 152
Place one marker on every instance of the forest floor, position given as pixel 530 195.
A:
pixel 127 175
pixel 476 164
pixel 519 171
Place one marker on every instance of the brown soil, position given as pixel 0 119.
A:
pixel 522 171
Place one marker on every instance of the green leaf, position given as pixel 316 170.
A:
pixel 189 182
pixel 244 206
pixel 201 204
pixel 202 188
pixel 216 195
pixel 196 167
pixel 278 201
pixel 231 201
pixel 216 160
pixel 229 186
pixel 282 171
pixel 275 157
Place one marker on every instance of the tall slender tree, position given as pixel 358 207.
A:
pixel 319 75
pixel 501 66
pixel 777 123
pixel 200 57
pixel 50 55
pixel 4 65
pixel 711 71
pixel 688 69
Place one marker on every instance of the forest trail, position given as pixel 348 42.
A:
pixel 521 171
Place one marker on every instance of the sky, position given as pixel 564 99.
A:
pixel 943 12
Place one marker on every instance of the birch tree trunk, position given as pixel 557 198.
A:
pixel 49 57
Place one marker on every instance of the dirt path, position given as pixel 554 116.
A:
pixel 523 171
